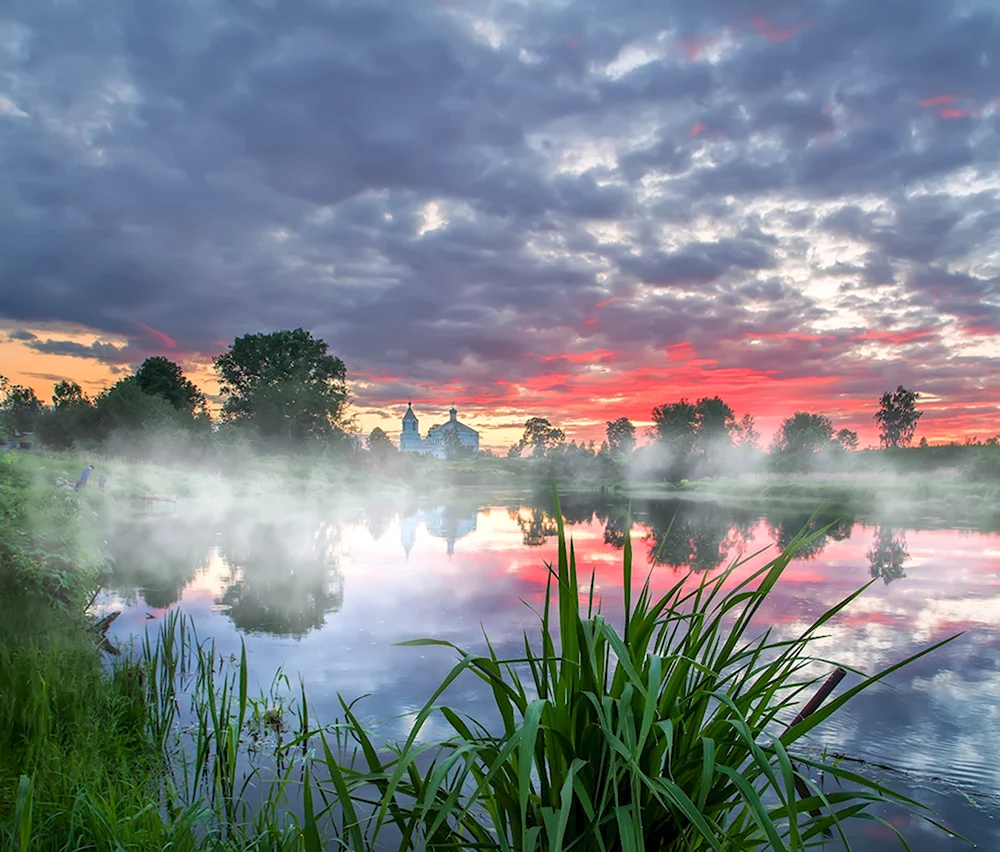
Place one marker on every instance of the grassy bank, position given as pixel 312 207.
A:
pixel 673 730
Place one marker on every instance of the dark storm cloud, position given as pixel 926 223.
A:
pixel 445 191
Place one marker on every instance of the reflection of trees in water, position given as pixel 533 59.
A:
pixel 158 557
pixel 700 536
pixel 285 581
pixel 536 524
pixel 785 526
pixel 377 520
pixel 888 554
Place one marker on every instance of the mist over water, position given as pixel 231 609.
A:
pixel 325 594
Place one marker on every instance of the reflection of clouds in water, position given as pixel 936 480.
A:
pixel 397 582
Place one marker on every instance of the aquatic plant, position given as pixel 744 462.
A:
pixel 665 735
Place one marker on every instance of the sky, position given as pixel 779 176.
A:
pixel 576 210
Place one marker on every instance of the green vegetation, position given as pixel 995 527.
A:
pixel 670 732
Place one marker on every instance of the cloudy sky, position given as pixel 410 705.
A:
pixel 571 209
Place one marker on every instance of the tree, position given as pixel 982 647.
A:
pixel 715 424
pixel 453 446
pixel 159 376
pixel 66 394
pixel 541 436
pixel 71 418
pixel 746 433
pixel 380 444
pixel 20 407
pixel 621 436
pixel 801 437
pixel 283 385
pixel 676 427
pixel 897 417
pixel 848 440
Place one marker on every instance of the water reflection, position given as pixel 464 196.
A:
pixel 282 583
pixel 347 588
pixel 888 554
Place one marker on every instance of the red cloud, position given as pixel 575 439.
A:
pixel 161 338
pixel 697 128
pixel 766 29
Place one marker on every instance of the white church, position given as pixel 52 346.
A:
pixel 434 444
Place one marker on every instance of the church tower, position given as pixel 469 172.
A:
pixel 409 438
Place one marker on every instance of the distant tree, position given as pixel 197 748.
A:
pixel 66 394
pixel 283 385
pixel 379 444
pixel 848 440
pixel 621 436
pixel 125 411
pixel 454 448
pixel 897 417
pixel 923 442
pixel 746 433
pixel 716 424
pixel 19 406
pixel 541 436
pixel 515 450
pixel 159 376
pixel 803 435
pixel 676 427
pixel 70 420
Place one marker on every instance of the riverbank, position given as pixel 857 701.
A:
pixel 944 498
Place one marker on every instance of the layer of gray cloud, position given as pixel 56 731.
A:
pixel 207 169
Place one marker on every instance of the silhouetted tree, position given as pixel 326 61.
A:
pixel 541 436
pixel 621 436
pixel 746 433
pixel 283 385
pixel 897 417
pixel 848 440
pixel 159 376
pixel 379 444
pixel 19 406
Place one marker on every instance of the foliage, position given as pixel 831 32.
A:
pixel 540 436
pixel 71 419
pixel 800 439
pixel 621 436
pixel 746 433
pixel 888 554
pixel 379 444
pixel 283 385
pixel 695 435
pixel 159 376
pixel 666 735
pixel 897 417
pixel 454 449
pixel 848 440
pixel 19 408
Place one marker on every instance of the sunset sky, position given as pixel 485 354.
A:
pixel 576 209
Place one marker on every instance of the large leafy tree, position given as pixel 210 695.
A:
pixel 66 394
pixel 676 426
pixel 159 376
pixel 897 417
pixel 283 385
pixel 621 436
pixel 541 436
pixel 801 437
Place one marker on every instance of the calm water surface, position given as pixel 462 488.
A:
pixel 325 598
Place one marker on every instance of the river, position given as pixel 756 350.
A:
pixel 325 599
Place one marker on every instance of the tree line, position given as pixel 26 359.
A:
pixel 284 389
pixel 705 438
